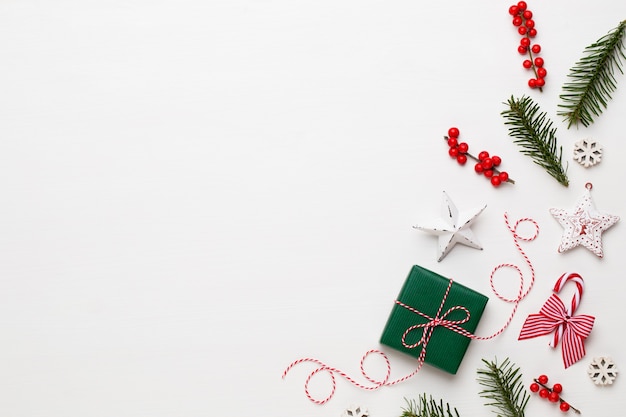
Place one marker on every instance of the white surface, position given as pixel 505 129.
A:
pixel 194 194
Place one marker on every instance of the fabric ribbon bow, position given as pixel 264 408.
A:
pixel 553 316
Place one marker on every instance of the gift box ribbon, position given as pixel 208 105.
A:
pixel 433 322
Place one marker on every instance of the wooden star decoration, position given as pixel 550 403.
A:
pixel 453 227
pixel 583 225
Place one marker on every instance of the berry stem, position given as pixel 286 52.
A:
pixel 534 67
pixel 561 400
pixel 469 155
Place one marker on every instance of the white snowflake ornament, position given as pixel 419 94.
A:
pixel 355 411
pixel 602 370
pixel 587 152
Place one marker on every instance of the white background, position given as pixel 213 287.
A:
pixel 194 194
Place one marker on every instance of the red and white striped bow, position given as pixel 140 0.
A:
pixel 554 314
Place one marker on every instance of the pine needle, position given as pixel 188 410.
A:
pixel 592 78
pixel 533 132
pixel 427 407
pixel 504 388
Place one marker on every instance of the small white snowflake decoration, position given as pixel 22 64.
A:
pixel 587 152
pixel 355 411
pixel 602 370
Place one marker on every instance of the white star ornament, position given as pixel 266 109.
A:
pixel 583 225
pixel 453 227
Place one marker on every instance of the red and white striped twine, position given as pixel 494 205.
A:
pixel 558 286
pixel 427 329
pixel 521 294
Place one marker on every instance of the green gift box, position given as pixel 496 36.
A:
pixel 424 291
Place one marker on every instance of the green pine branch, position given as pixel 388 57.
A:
pixel 592 78
pixel 504 388
pixel 533 132
pixel 427 407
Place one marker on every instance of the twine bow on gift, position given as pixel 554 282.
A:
pixel 433 322
pixel 555 317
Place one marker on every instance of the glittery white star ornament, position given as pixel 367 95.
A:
pixel 583 225
pixel 453 227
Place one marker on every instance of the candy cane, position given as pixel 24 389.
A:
pixel 560 283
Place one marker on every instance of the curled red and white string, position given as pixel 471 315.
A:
pixel 427 329
pixel 521 293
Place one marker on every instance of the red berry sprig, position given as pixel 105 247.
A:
pixel 523 20
pixel 485 164
pixel 552 394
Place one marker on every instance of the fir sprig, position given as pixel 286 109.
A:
pixel 533 131
pixel 427 407
pixel 504 388
pixel 592 78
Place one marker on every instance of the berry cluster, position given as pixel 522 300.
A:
pixel 552 394
pixel 485 164
pixel 523 20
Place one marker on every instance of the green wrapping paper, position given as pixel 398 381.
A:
pixel 424 290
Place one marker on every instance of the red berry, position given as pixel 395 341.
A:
pixel 522 49
pixel 527 63
pixel 541 72
pixel 543 393
pixel 504 176
pixel 543 379
pixel 532 33
pixel 541 82
pixel 483 155
pixel 553 396
pixel 517 21
pixel 539 62
pixel 461 159
pixel 525 42
pixel 495 181
pixel 452 142
pixel 487 163
pixel 513 10
pixel 453 152
pixel 478 168
pixel 530 24
pixel 522 5
pixel 488 173
pixel 527 14
pixel 463 147
pixel 522 30
pixel 564 406
pixel 536 48
pixel 496 160
pixel 532 83
pixel 557 388
pixel 534 387
pixel 453 132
